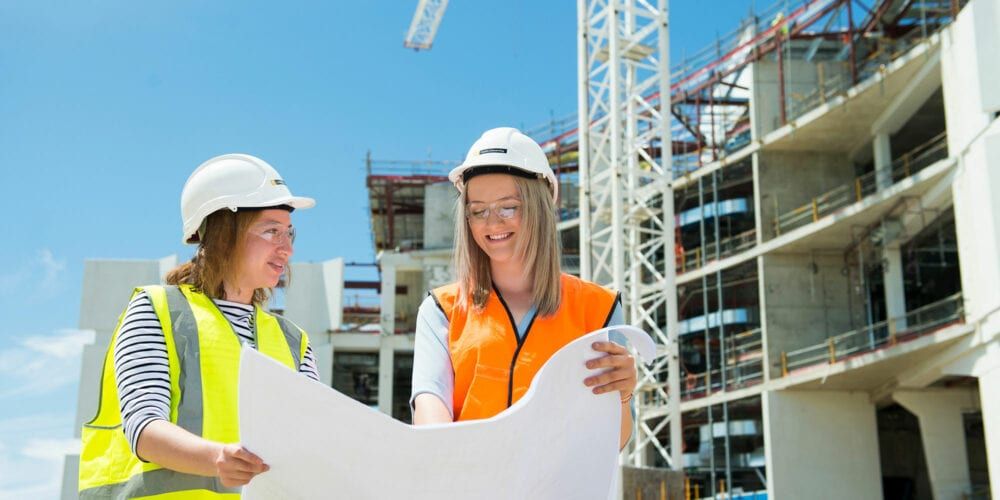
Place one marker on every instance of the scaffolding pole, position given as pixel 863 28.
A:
pixel 722 334
pixel 626 211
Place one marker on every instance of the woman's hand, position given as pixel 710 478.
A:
pixel 174 448
pixel 236 466
pixel 620 374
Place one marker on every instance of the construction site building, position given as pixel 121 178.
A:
pixel 835 168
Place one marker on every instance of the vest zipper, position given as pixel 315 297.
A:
pixel 253 328
pixel 520 343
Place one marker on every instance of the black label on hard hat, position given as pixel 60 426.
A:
pixel 493 150
pixel 278 182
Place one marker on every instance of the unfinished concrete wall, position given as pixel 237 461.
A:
pixel 972 101
pixel 969 99
pixel 437 270
pixel 107 287
pixel 314 300
pixel 821 445
pixel 974 137
pixel 976 191
pixel 314 297
pixel 807 299
pixel 804 81
pixel 108 284
pixel 788 180
pixel 986 20
pixel 408 303
pixel 439 215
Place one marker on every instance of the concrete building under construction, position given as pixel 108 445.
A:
pixel 834 201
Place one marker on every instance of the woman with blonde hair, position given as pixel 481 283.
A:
pixel 481 340
pixel 167 424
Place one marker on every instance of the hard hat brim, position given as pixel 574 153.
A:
pixel 296 202
pixel 458 177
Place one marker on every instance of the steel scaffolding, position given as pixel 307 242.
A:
pixel 626 209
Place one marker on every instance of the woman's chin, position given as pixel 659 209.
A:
pixel 269 282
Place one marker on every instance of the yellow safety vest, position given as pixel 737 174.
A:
pixel 203 354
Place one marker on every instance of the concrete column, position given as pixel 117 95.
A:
pixel 883 160
pixel 983 362
pixel 989 398
pixel 314 298
pixel 386 374
pixel 815 440
pixel 895 294
pixel 943 435
pixel 387 316
pixel 71 474
pixel 323 352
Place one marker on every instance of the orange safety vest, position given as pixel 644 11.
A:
pixel 493 368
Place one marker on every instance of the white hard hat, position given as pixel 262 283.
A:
pixel 232 181
pixel 505 150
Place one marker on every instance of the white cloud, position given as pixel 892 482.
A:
pixel 52 272
pixel 34 424
pixel 36 490
pixel 40 364
pixel 50 449
pixel 13 280
pixel 32 467
pixel 39 277
pixel 66 344
pixel 38 379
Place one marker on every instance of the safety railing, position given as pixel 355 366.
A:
pixel 886 333
pixel 902 167
pixel 834 78
pixel 696 257
pixel 920 157
pixel 744 366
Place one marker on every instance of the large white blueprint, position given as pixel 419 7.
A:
pixel 559 441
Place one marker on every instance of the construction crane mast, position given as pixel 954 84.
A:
pixel 626 198
pixel 425 24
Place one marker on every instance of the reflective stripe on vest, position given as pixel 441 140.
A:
pixel 203 357
pixel 493 367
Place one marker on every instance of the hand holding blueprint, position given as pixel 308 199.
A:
pixel 558 441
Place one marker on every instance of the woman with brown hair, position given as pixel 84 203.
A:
pixel 167 425
pixel 480 341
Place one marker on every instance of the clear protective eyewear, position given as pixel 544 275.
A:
pixel 480 212
pixel 276 235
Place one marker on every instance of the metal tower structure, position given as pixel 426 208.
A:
pixel 425 23
pixel 626 199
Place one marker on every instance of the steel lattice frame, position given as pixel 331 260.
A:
pixel 626 199
pixel 425 24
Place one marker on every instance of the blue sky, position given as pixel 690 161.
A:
pixel 106 107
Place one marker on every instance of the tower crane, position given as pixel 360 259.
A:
pixel 425 24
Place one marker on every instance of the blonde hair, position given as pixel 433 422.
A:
pixel 537 248
pixel 219 254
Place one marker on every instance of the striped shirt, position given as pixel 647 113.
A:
pixel 140 360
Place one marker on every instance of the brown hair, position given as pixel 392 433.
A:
pixel 218 257
pixel 538 248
